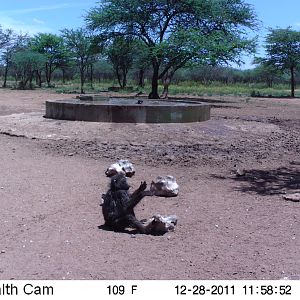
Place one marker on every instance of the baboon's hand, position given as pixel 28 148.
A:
pixel 143 186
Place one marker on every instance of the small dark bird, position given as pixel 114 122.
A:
pixel 140 102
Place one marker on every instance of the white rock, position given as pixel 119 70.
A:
pixel 122 166
pixel 164 186
pixel 161 224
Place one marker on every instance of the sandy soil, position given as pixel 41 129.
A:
pixel 229 226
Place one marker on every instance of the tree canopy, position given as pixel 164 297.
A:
pixel 26 63
pixel 52 47
pixel 13 43
pixel 283 51
pixel 5 36
pixel 120 54
pixel 177 32
pixel 80 44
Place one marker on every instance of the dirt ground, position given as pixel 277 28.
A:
pixel 229 226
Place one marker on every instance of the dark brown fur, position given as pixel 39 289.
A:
pixel 118 206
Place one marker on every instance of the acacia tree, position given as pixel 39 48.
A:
pixel 6 43
pixel 15 42
pixel 52 47
pixel 177 31
pixel 4 36
pixel 266 71
pixel 283 52
pixel 79 43
pixel 120 54
pixel 26 63
pixel 66 64
pixel 141 61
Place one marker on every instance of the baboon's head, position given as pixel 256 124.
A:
pixel 119 182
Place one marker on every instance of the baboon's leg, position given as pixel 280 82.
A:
pixel 132 221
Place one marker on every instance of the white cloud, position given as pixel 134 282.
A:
pixel 297 24
pixel 37 21
pixel 13 18
pixel 39 8
pixel 19 26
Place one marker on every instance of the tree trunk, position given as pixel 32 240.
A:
pixel 30 81
pixel 82 75
pixel 39 78
pixel 63 75
pixel 81 80
pixel 124 78
pixel 16 79
pixel 5 76
pixel 92 75
pixel 166 82
pixel 119 77
pixel 47 71
pixel 154 90
pixel 141 82
pixel 270 83
pixel 292 82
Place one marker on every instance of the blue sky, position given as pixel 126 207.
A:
pixel 276 13
pixel 35 16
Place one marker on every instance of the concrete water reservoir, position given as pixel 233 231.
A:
pixel 127 110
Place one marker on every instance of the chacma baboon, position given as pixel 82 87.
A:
pixel 118 205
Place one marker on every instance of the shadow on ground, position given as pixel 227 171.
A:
pixel 268 182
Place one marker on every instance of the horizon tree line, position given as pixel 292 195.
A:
pixel 158 38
